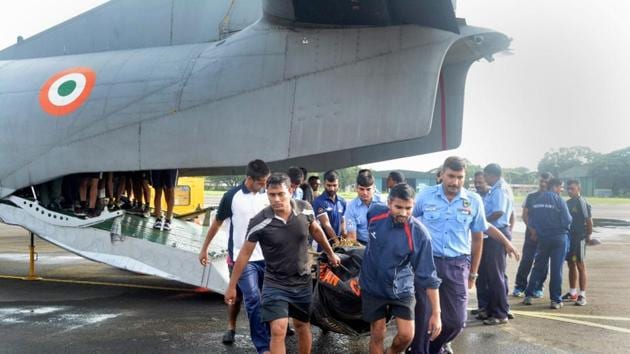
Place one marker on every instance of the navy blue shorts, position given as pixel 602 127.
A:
pixel 375 308
pixel 164 178
pixel 284 303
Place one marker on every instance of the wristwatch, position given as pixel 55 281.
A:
pixel 473 276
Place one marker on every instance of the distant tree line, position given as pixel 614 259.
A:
pixel 612 169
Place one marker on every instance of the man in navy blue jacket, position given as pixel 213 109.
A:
pixel 550 220
pixel 397 254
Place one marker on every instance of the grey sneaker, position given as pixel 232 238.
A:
pixel 581 301
pixel 527 300
pixel 167 225
pixel 555 305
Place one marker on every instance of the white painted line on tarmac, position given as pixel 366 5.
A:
pixel 593 317
pixel 556 317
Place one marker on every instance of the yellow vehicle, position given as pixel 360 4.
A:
pixel 189 196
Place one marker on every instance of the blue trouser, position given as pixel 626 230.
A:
pixel 250 283
pixel 525 266
pixel 551 249
pixel 481 284
pixel 453 301
pixel 493 296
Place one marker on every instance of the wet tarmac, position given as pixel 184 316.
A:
pixel 85 307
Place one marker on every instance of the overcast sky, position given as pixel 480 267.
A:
pixel 565 85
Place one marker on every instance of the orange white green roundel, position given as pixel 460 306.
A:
pixel 66 91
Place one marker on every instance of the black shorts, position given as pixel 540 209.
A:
pixel 375 308
pixel 283 303
pixel 164 178
pixel 577 249
pixel 139 176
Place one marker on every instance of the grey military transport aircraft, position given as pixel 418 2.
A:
pixel 208 85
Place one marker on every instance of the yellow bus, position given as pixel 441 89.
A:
pixel 189 196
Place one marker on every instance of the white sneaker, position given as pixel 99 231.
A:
pixel 167 225
pixel 158 224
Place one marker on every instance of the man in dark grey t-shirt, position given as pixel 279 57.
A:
pixel 579 237
pixel 282 230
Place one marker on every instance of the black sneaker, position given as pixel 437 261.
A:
pixel 93 212
pixel 569 297
pixel 80 210
pixel 136 210
pixel 146 211
pixel 126 205
pixel 482 315
pixel 228 336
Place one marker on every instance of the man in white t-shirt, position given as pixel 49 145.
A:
pixel 239 205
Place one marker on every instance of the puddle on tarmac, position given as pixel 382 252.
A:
pixel 63 317
pixel 612 223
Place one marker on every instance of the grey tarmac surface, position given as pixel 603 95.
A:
pixel 86 307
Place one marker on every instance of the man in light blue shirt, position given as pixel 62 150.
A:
pixel 356 212
pixel 456 222
pixel 498 203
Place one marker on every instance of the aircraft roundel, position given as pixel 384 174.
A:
pixel 66 91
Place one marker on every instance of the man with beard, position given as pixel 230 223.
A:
pixel 282 230
pixel 330 207
pixel 398 252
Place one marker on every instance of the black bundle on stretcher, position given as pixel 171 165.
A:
pixel 336 304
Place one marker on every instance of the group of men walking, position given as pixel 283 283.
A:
pixel 422 254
